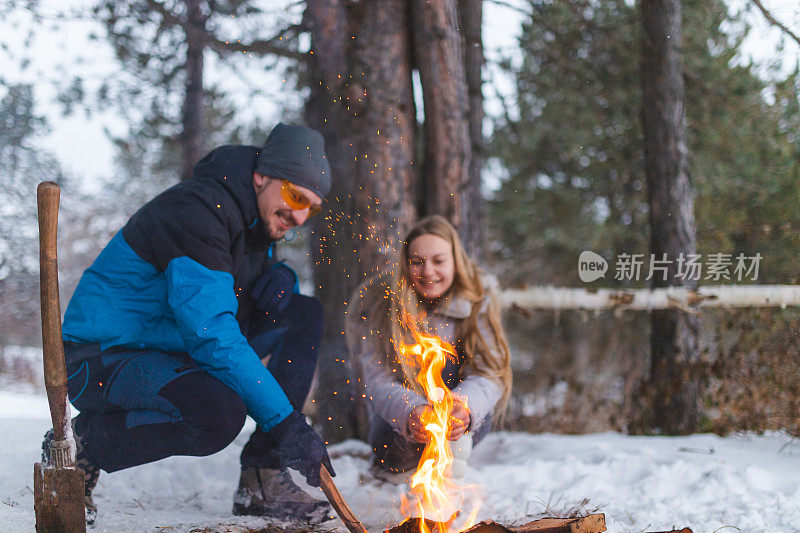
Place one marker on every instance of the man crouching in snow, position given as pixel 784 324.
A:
pixel 166 332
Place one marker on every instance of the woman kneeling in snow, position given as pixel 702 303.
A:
pixel 435 288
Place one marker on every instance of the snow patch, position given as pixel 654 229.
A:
pixel 706 482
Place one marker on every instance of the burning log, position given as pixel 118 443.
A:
pixel 593 523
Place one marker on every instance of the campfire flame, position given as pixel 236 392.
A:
pixel 433 493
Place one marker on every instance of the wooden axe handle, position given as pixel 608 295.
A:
pixel 55 372
pixel 338 503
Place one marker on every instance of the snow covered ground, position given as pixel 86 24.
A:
pixel 741 483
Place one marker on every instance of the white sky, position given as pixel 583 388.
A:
pixel 84 149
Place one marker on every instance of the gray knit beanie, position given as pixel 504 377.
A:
pixel 296 154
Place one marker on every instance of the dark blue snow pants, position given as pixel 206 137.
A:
pixel 141 405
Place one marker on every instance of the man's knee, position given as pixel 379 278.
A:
pixel 302 321
pixel 211 413
pixel 305 312
pixel 305 321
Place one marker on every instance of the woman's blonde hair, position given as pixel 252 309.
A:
pixel 392 308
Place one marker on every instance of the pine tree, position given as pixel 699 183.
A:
pixel 22 165
pixel 674 379
pixel 574 156
pixel 574 151
pixel 575 165
pixel 164 92
pixel 388 168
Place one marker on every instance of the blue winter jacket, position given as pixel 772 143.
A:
pixel 177 278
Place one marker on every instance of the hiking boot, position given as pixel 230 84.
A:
pixel 91 473
pixel 272 493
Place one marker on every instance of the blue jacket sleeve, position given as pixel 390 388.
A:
pixel 204 306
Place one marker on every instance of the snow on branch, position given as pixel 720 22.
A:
pixel 556 298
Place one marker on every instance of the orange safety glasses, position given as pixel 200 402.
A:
pixel 297 200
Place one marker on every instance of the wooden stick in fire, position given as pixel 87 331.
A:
pixel 338 503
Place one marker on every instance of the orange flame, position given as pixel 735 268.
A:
pixel 433 493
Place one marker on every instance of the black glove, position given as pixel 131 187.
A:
pixel 297 446
pixel 273 289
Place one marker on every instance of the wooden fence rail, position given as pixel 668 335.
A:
pixel 556 298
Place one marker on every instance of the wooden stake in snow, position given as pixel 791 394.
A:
pixel 57 485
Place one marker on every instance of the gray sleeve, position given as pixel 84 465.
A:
pixel 388 398
pixel 386 395
pixel 481 392
pixel 481 395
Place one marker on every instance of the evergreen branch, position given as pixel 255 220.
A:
pixel 775 22
pixel 505 106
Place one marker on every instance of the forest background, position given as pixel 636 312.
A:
pixel 561 170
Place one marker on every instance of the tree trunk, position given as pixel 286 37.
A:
pixel 362 101
pixel 471 16
pixel 193 113
pixel 439 53
pixel 674 380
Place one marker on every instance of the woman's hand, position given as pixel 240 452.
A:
pixel 459 419
pixel 415 424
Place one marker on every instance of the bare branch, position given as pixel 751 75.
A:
pixel 166 15
pixel 508 5
pixel 775 22
pixel 259 47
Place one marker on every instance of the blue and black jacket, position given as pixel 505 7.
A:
pixel 177 278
